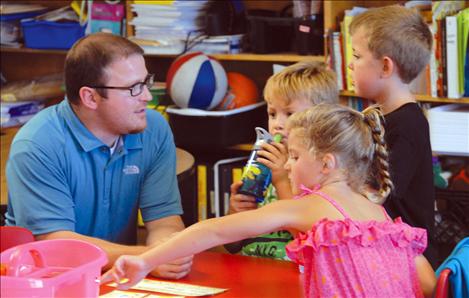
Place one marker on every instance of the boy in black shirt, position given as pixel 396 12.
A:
pixel 391 46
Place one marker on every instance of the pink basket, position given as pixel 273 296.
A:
pixel 52 268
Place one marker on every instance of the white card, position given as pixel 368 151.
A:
pixel 174 288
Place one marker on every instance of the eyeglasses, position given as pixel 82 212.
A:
pixel 136 89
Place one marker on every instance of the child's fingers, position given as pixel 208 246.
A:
pixel 126 285
pixel 235 186
pixel 109 276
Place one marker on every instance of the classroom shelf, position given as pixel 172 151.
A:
pixel 421 98
pixel 280 57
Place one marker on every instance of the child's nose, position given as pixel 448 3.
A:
pixel 350 65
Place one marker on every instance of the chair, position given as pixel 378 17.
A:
pixel 442 285
pixel 455 272
pixel 12 235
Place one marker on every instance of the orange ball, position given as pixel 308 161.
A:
pixel 242 91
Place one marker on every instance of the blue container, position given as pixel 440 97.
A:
pixel 51 35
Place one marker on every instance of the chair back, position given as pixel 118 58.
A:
pixel 442 285
pixel 12 236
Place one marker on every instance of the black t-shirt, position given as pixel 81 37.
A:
pixel 413 198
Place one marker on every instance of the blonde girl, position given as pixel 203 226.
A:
pixel 345 240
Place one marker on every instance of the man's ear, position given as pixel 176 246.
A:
pixel 388 67
pixel 329 162
pixel 89 97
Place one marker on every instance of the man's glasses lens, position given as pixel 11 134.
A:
pixel 137 89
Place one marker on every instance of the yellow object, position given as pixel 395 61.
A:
pixel 159 2
pixel 237 174
pixel 140 219
pixel 77 5
pixel 202 192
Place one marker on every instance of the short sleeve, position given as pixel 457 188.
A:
pixel 39 198
pixel 160 195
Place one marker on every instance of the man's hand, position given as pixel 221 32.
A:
pixel 239 202
pixel 174 270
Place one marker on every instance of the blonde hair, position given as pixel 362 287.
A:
pixel 305 80
pixel 399 33
pixel 356 139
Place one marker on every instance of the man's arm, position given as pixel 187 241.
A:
pixel 113 250
pixel 160 230
pixel 163 228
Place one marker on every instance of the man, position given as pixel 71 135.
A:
pixel 82 169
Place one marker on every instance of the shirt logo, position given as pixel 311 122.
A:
pixel 131 170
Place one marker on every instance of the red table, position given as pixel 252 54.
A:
pixel 245 276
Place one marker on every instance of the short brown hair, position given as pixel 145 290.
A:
pixel 399 33
pixel 87 59
pixel 305 80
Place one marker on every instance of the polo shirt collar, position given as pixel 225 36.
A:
pixel 85 138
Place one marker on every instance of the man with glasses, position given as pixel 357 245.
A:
pixel 83 168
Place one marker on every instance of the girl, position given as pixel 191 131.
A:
pixel 345 240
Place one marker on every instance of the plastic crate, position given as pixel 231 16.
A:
pixel 212 130
pixel 51 35
pixel 285 34
pixel 52 268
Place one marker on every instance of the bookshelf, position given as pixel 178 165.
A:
pixel 420 98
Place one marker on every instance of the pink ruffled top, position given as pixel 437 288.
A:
pixel 349 258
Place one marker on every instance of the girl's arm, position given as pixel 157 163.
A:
pixel 209 233
pixel 426 275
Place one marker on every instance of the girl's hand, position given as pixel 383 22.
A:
pixel 132 268
pixel 239 202
pixel 274 155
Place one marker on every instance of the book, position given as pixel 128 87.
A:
pixel 463 35
pixel 347 43
pixel 337 59
pixel 452 57
pixel 440 9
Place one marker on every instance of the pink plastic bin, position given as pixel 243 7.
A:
pixel 52 268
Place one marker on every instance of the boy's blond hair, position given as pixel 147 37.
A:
pixel 305 80
pixel 399 33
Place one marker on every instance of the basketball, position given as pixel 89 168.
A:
pixel 196 81
pixel 242 91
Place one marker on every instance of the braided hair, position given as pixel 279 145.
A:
pixel 356 139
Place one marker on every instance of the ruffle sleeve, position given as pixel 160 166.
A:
pixel 327 233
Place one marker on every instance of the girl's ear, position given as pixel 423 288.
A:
pixel 387 68
pixel 329 163
pixel 89 97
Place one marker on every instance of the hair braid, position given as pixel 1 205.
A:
pixel 380 164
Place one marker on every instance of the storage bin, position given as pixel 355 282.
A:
pixel 51 35
pixel 285 34
pixel 52 268
pixel 211 130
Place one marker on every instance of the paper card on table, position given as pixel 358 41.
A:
pixel 129 294
pixel 124 294
pixel 163 296
pixel 174 288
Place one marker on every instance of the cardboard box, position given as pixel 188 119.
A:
pixel 449 129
